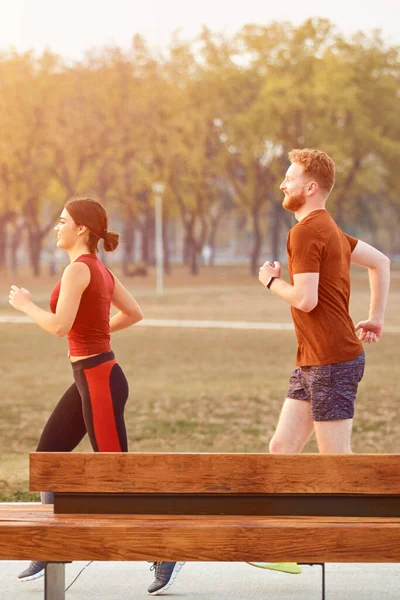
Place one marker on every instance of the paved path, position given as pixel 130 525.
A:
pixel 213 581
pixel 198 324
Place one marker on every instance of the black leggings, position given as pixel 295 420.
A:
pixel 94 404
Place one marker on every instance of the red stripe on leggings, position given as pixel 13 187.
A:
pixel 105 429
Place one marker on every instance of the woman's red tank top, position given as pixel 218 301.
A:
pixel 90 332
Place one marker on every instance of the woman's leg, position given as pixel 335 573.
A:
pixel 104 391
pixel 65 427
pixel 63 431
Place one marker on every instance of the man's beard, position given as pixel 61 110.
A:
pixel 294 202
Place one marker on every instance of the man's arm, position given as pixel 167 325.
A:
pixel 378 266
pixel 303 294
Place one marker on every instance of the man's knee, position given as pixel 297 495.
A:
pixel 278 446
pixel 334 437
pixel 327 446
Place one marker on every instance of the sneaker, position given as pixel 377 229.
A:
pixel 164 576
pixel 34 571
pixel 292 568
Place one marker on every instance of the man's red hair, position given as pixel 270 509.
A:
pixel 317 164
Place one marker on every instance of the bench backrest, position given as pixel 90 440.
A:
pixel 201 483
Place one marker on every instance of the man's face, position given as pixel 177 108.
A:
pixel 293 187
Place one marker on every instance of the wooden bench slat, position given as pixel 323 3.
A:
pixel 363 505
pixel 32 513
pixel 215 473
pixel 39 533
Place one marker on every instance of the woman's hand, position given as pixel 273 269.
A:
pixel 19 298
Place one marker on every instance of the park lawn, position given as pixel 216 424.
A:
pixel 191 389
pixel 218 293
pixel 199 390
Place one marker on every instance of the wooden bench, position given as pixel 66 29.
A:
pixel 310 509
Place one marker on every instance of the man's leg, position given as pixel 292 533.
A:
pixel 333 390
pixel 334 437
pixel 294 427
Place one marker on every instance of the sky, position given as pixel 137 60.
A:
pixel 70 28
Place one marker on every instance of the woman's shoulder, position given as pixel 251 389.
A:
pixel 77 270
pixel 87 259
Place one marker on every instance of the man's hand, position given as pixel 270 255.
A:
pixel 269 270
pixel 371 331
pixel 19 298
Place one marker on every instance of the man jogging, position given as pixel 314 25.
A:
pixel 330 358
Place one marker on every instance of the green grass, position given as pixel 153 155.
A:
pixel 190 389
pixel 220 293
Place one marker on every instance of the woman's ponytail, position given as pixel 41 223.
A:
pixel 111 240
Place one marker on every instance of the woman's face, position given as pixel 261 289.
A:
pixel 67 231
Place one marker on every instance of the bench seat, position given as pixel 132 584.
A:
pixel 35 532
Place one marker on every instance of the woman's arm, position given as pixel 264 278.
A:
pixel 129 310
pixel 75 280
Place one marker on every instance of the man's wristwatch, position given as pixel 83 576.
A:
pixel 270 281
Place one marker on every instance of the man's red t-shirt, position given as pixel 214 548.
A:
pixel 326 335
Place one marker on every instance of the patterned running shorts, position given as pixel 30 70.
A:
pixel 331 389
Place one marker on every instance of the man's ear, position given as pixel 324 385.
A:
pixel 312 187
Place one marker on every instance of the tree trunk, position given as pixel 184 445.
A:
pixel 339 219
pixel 165 241
pixel 339 213
pixel 148 257
pixel 8 217
pixel 129 242
pixel 145 258
pixel 186 249
pixel 212 238
pixel 188 226
pixel 194 264
pixel 191 247
pixel 199 245
pixel 15 243
pixel 276 226
pixel 257 240
pixel 35 247
pixel 3 242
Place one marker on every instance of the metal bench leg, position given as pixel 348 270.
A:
pixel 322 565
pixel 54 581
pixel 323 581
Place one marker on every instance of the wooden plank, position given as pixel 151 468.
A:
pixel 362 505
pixel 215 473
pixel 34 512
pixel 223 538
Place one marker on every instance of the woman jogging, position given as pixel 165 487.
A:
pixel 80 309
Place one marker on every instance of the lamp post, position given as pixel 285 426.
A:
pixel 158 189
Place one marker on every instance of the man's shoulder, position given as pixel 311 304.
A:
pixel 304 231
pixel 318 224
